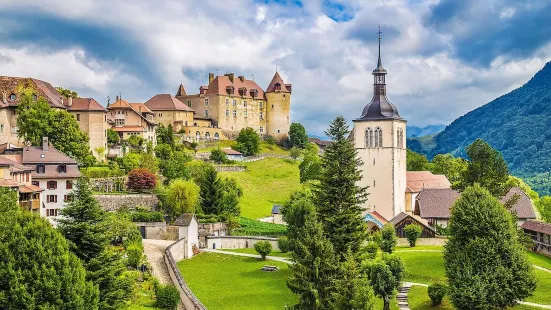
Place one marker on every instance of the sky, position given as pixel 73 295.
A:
pixel 444 58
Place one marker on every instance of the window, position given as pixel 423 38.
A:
pixel 216 136
pixel 35 183
pixel 40 169
pixel 227 101
pixel 278 131
pixel 13 129
pixel 51 212
pixel 206 113
pixel 13 97
pixel 207 136
pixel 245 113
pixel 119 122
pixel 78 117
pixel 261 115
pixel 227 113
pixel 51 198
pixel 52 185
pixel 1 127
pixel 260 105
pixel 272 106
pixel 189 103
pixel 35 97
pixel 261 129
pixel 105 118
pixel 245 104
pixel 67 198
pixel 234 113
pixel 62 169
pixel 198 136
pixel 69 185
pixel 234 102
pixel 206 101
pixel 400 136
pixel 378 137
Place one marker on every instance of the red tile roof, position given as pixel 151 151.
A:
pixel 84 104
pixel 418 180
pixel 166 102
pixel 140 108
pixel 231 152
pixel 537 226
pixel 275 80
pixel 14 166
pixel 135 107
pixel 9 85
pixel 29 189
pixel 220 83
pixel 8 183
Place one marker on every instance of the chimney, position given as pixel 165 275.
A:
pixel 45 144
pixel 242 78
pixel 231 76
pixel 211 77
pixel 70 101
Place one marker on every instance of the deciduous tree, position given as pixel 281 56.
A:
pixel 412 232
pixel 310 166
pixel 140 180
pixel 248 142
pixel 385 276
pixel 388 238
pixel 486 264
pixel 298 136
pixel 182 197
pixel 416 161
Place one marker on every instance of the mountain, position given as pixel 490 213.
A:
pixel 415 131
pixel 517 124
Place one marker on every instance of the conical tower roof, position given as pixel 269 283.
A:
pixel 181 91
pixel 277 80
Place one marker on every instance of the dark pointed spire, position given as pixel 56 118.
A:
pixel 181 91
pixel 379 64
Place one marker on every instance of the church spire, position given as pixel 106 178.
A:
pixel 379 64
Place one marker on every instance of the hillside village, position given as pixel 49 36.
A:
pixel 217 200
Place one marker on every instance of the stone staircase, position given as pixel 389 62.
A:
pixel 402 297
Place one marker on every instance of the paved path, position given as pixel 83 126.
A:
pixel 402 297
pixel 154 250
pixel 279 259
pixel 542 268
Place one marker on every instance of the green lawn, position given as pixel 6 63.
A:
pixel 234 282
pixel 265 148
pixel 539 260
pixel 419 247
pixel 266 182
pixel 252 251
pixel 542 295
pixel 423 267
pixel 418 299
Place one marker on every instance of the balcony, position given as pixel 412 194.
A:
pixel 30 205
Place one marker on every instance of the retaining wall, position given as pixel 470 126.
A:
pixel 237 242
pixel 115 202
pixel 174 254
pixel 230 168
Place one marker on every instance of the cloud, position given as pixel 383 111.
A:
pixel 444 57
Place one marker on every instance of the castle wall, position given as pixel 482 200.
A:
pixel 95 125
pixel 178 119
pixel 278 114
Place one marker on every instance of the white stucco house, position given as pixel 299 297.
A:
pixel 188 229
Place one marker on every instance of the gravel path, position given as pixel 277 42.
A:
pixel 154 250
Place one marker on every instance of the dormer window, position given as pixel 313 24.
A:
pixel 41 169
pixel 13 97
pixel 62 169
pixel 277 86
pixel 35 97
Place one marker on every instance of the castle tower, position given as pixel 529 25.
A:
pixel 379 138
pixel 278 108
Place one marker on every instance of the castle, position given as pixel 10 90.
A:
pixel 218 112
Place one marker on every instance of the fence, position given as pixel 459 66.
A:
pixel 190 301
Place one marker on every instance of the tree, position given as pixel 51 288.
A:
pixel 218 196
pixel 176 167
pixel 485 262
pixel 284 244
pixel 487 168
pixel 168 297
pixel 140 180
pixel 296 212
pixel 82 223
pixel 416 161
pixel 149 162
pixel 129 161
pixel 385 276
pixel 163 151
pixel 67 93
pixel 165 135
pixel 100 150
pixel 36 119
pixel 452 167
pixel 37 270
pixel 388 238
pixel 436 293
pixel 113 137
pixel 310 166
pixel 248 142
pixel 544 207
pixel 136 143
pixel 337 197
pixel 352 287
pixel 182 197
pixel 412 232
pixel 295 152
pixel 218 156
pixel 231 192
pixel 263 248
pixel 315 267
pixel 297 136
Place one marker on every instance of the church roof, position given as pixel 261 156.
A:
pixel 277 80
pixel 166 102
pixel 380 108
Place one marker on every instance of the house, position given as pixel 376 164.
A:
pixel 541 235
pixel 233 154
pixel 374 220
pixel 18 177
pixel 52 171
pixel 419 180
pixel 320 143
pixel 402 220
pixel 131 119
pixel 277 216
pixel 434 205
pixel 188 229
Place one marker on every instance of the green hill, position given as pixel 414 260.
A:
pixel 517 124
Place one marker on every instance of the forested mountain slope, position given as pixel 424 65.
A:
pixel 518 124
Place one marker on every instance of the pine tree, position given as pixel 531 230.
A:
pixel 211 194
pixel 337 197
pixel 315 267
pixel 485 262
pixel 352 287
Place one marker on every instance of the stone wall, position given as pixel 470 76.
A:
pixel 154 230
pixel 237 242
pixel 230 168
pixel 131 201
pixel 172 255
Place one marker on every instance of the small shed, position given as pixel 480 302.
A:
pixel 276 215
pixel 188 229
pixel 401 220
pixel 233 154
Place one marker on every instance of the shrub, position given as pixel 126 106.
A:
pixel 371 250
pixel 376 237
pixel 218 156
pixel 168 297
pixel 270 140
pixel 412 232
pixel 295 152
pixel 437 292
pixel 134 253
pixel 147 216
pixel 102 172
pixel 284 244
pixel 263 248
pixel 140 180
pixel 388 238
pixel 250 227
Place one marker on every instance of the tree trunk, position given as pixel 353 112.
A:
pixel 386 301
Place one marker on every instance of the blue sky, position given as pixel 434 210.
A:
pixel 444 58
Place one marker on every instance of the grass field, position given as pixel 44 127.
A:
pixel 234 282
pixel 265 148
pixel 266 182
pixel 252 251
pixel 539 260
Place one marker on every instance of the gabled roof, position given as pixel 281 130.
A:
pixel 140 108
pixel 219 85
pixel 184 219
pixel 418 180
pixel 402 216
pixel 84 104
pixel 14 166
pixel 135 107
pixel 36 155
pixel 10 84
pixel 166 102
pixel 537 226
pixel 277 80
pixel 229 151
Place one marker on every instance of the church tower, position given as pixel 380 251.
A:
pixel 379 138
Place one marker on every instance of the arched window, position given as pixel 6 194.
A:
pixel 378 137
pixel 207 136
pixel 197 136
pixel 368 138
pixel 216 136
pixel 12 97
